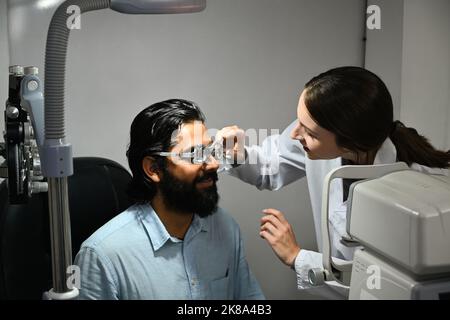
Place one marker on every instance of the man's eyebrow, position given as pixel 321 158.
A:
pixel 315 133
pixel 191 148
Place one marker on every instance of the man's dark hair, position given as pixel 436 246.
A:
pixel 151 132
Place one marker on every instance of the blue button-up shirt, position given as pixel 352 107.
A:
pixel 134 257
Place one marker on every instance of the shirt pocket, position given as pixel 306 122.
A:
pixel 219 288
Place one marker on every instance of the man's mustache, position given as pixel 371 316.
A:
pixel 208 175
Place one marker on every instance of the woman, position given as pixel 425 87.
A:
pixel 345 116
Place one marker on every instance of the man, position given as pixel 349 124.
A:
pixel 174 242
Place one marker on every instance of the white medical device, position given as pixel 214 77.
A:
pixel 401 220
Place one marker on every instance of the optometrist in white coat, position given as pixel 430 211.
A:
pixel 344 117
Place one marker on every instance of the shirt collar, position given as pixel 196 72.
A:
pixel 158 233
pixel 156 230
pixel 386 154
pixel 198 224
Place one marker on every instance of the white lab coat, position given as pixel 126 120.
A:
pixel 287 155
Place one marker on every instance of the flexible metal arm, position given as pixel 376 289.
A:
pixel 57 162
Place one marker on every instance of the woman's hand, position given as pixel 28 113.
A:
pixel 277 231
pixel 233 139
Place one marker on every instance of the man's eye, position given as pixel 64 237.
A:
pixel 186 157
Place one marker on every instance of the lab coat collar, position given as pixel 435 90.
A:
pixel 386 154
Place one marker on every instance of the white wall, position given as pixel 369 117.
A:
pixel 244 62
pixel 412 52
pixel 426 69
pixel 384 48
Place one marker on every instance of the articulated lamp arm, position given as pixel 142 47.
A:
pixel 56 157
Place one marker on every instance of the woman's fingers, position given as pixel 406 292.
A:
pixel 276 213
pixel 277 231
pixel 272 219
pixel 267 236
pixel 230 135
pixel 233 139
pixel 273 230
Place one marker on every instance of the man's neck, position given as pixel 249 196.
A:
pixel 176 223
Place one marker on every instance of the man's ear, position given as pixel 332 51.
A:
pixel 150 169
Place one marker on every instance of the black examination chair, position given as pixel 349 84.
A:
pixel 96 194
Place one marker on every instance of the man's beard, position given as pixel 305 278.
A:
pixel 186 197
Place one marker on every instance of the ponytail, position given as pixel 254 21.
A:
pixel 355 105
pixel 415 148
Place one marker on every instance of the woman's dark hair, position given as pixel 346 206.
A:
pixel 355 105
pixel 151 132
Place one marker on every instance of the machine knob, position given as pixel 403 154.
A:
pixel 316 276
pixel 38 187
pixel 32 85
pixel 31 70
pixel 12 112
pixel 16 70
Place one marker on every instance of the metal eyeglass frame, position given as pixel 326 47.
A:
pixel 200 155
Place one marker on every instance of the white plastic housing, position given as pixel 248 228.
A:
pixel 404 216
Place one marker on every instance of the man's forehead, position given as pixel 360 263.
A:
pixel 191 134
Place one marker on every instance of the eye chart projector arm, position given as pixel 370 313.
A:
pixel 50 144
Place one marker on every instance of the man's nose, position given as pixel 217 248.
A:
pixel 212 163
